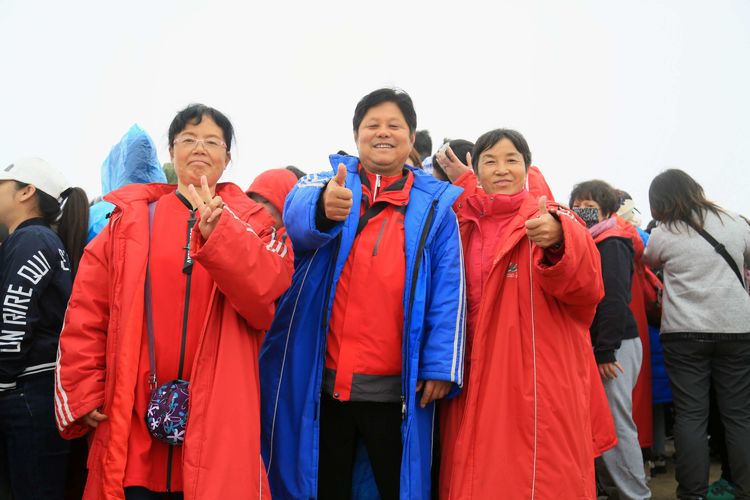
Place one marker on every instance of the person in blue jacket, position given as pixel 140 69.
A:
pixel 371 331
pixel 133 160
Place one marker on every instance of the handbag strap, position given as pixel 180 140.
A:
pixel 721 250
pixel 149 309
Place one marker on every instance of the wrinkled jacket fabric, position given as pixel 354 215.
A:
pixel 292 356
pixel 533 414
pixel 105 327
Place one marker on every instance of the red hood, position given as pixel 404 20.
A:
pixel 274 185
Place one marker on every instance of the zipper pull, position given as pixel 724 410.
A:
pixel 377 186
pixel 403 407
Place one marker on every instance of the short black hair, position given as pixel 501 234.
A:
pixel 193 115
pixel 299 173
pixel 599 191
pixel 489 139
pixel 377 97
pixel 460 147
pixel 423 144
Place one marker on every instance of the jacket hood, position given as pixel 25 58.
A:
pixel 133 160
pixel 274 185
pixel 617 227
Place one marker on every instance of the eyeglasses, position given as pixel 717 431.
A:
pixel 187 142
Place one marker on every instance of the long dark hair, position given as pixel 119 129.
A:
pixel 674 197
pixel 70 220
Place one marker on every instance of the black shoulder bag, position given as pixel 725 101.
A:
pixel 721 250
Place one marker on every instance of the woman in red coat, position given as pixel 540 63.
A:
pixel 532 415
pixel 213 274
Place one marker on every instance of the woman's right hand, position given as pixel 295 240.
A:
pixel 451 164
pixel 93 418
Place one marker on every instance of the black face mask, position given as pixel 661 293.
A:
pixel 589 215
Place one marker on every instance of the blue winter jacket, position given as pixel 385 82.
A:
pixel 292 356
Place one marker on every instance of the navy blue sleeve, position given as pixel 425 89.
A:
pixel 27 269
pixel 612 315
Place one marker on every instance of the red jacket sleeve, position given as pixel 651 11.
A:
pixel 576 279
pixel 467 182
pixel 249 263
pixel 80 373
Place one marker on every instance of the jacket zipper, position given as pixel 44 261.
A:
pixel 414 275
pixel 377 186
pixel 324 321
pixel 188 270
pixel 380 235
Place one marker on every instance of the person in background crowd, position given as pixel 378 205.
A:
pixel 178 286
pixel 456 150
pixel 423 145
pixel 642 393
pixel 297 172
pixel 270 189
pixel 649 412
pixel 533 414
pixel 615 332
pixel 413 159
pixel 705 325
pixel 133 160
pixel 47 223
pixel 370 333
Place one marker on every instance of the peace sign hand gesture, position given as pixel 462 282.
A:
pixel 209 207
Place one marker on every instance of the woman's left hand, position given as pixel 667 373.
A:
pixel 209 207
pixel 545 230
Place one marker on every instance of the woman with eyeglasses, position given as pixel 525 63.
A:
pixel 158 354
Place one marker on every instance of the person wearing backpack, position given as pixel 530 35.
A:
pixel 705 325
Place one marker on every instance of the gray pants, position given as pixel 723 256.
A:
pixel 692 367
pixel 625 477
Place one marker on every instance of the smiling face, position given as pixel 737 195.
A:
pixel 192 160
pixel 501 169
pixel 384 140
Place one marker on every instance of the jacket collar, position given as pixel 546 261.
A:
pixel 134 193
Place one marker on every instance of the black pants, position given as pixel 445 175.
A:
pixel 693 368
pixel 36 456
pixel 341 424
pixel 139 493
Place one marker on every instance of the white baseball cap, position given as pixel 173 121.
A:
pixel 37 172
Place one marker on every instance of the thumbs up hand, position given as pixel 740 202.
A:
pixel 337 199
pixel 544 230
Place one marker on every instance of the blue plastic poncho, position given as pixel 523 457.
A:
pixel 133 160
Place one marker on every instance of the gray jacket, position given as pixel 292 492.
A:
pixel 701 292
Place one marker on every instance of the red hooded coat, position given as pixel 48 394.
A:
pixel 642 395
pixel 533 414
pixel 104 330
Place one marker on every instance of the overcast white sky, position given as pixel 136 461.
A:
pixel 601 89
